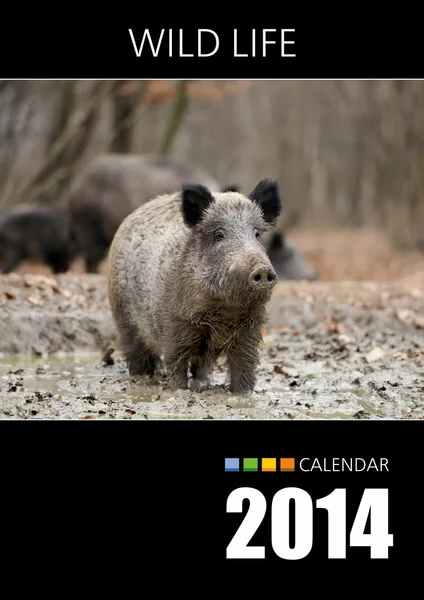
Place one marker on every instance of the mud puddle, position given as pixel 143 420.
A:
pixel 312 376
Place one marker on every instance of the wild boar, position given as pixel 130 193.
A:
pixel 38 233
pixel 287 259
pixel 189 280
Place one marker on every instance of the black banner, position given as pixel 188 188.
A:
pixel 285 47
pixel 222 497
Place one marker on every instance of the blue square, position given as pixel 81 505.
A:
pixel 232 464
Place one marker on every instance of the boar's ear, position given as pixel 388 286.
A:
pixel 195 200
pixel 267 195
pixel 231 188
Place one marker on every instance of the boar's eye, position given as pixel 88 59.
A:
pixel 257 234
pixel 218 235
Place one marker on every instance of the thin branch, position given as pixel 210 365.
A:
pixel 129 122
pixel 175 117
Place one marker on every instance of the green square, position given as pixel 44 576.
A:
pixel 250 464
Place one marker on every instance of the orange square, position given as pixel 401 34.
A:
pixel 286 464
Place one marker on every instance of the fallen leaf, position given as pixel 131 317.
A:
pixel 286 371
pixel 10 296
pixel 35 301
pixel 334 326
pixel 45 280
pixel 345 339
pixel 411 318
pixel 375 354
pixel 400 356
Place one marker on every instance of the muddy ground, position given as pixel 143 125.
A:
pixel 337 350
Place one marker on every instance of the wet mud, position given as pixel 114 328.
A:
pixel 335 350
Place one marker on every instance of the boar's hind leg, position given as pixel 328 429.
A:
pixel 58 261
pixel 140 360
pixel 94 256
pixel 94 245
pixel 243 360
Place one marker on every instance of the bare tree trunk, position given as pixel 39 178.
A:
pixel 52 179
pixel 175 117
pixel 124 106
pixel 66 109
pixel 126 112
pixel 65 113
pixel 15 115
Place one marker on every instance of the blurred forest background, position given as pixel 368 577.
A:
pixel 349 155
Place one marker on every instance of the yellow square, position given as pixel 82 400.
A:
pixel 269 464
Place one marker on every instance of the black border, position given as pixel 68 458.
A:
pixel 153 493
pixel 353 44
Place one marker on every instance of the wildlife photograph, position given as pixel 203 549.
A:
pixel 211 249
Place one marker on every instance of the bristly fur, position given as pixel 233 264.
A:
pixel 179 272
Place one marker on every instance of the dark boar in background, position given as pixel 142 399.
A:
pixel 35 233
pixel 112 186
pixel 287 259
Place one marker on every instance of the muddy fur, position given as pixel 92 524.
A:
pixel 112 186
pixel 34 232
pixel 182 273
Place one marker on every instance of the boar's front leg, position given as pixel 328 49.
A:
pixel 243 360
pixel 181 344
pixel 201 364
pixel 13 257
pixel 201 367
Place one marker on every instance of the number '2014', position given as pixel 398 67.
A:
pixel 374 502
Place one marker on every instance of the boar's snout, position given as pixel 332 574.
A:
pixel 262 277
